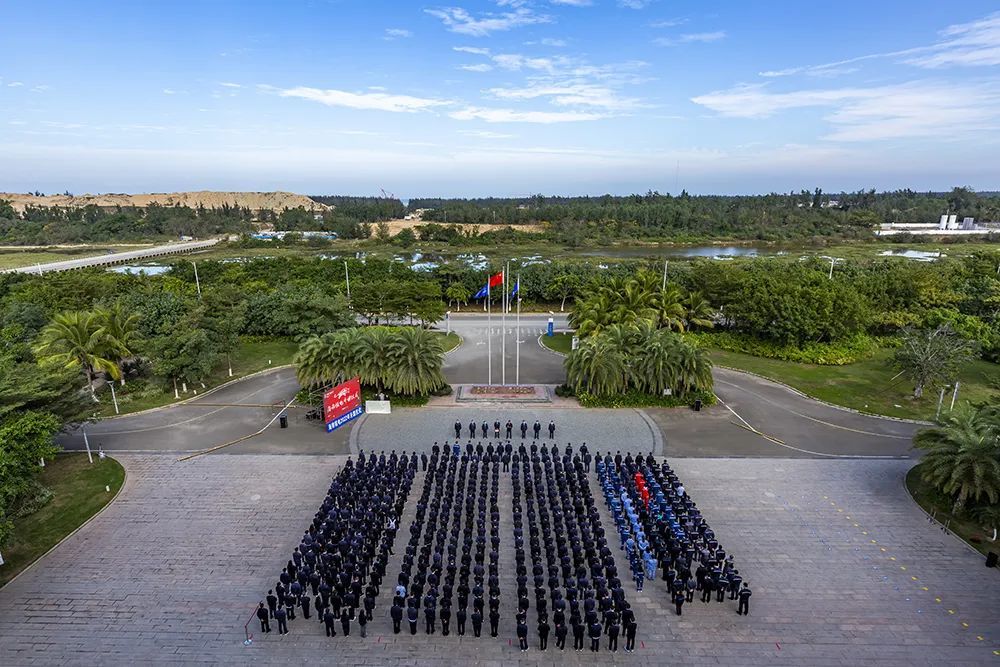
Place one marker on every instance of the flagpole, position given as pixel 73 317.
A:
pixel 489 335
pixel 503 332
pixel 517 348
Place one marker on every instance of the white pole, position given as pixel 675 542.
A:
pixel 517 357
pixel 489 335
pixel 447 319
pixel 954 395
pixel 39 268
pixel 347 275
pixel 940 401
pixel 665 262
pixel 832 260
pixel 196 281
pixel 114 399
pixel 503 332
pixel 86 441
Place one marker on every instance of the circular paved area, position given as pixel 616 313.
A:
pixel 171 571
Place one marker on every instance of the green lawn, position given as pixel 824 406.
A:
pixel 867 385
pixel 938 504
pixel 449 341
pixel 560 342
pixel 249 357
pixel 79 494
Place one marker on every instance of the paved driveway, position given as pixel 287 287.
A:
pixel 845 571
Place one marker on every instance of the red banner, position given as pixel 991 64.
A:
pixel 342 403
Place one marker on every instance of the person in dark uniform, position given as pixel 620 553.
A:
pixel 397 616
pixel 595 636
pixel 561 632
pixel 262 614
pixel 290 607
pixel 552 429
pixel 430 618
pixel 280 616
pixel 496 429
pixel 543 633
pixel 423 460
pixel 306 602
pixel 509 428
pixel 744 604
pixel 472 429
pixel 412 615
pixel 477 622
pixel 445 617
pixel 458 430
pixel 486 428
pixel 330 621
pixel 679 598
pixel 522 634
pixel 363 623
pixel 578 632
pixel 345 621
pixel 536 428
pixel 460 616
pixel 272 602
pixel 524 429
pixel 614 629
pixel 629 630
pixel 494 622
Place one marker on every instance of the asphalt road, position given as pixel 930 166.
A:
pixel 471 362
pixel 115 258
pixel 755 418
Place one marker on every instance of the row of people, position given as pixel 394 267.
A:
pixel 343 554
pixel 572 566
pixel 508 429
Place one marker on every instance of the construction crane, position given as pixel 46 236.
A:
pixel 387 195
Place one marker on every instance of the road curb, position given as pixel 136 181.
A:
pixel 548 349
pixel 931 518
pixel 827 403
pixel 202 395
pixel 78 528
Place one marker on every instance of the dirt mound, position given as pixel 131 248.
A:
pixel 255 201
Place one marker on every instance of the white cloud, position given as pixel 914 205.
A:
pixel 668 23
pixel 634 4
pixel 396 33
pixel 691 38
pixel 549 41
pixel 461 21
pixel 169 91
pixel 914 109
pixel 471 49
pixel 14 84
pixel 486 134
pixel 513 116
pixel 369 101
pixel 481 67
pixel 578 94
pixel 572 3
pixel 228 84
pixel 972 44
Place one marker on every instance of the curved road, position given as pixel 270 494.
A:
pixel 755 418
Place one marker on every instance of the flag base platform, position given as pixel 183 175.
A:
pixel 521 393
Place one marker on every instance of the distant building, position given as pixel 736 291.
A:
pixel 948 225
pixel 280 235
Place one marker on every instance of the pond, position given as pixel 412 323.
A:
pixel 918 255
pixel 135 269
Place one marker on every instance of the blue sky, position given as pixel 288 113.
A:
pixel 498 97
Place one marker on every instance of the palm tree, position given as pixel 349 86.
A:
pixel 591 315
pixel 121 332
pixel 371 354
pixel 415 357
pixel 633 303
pixel 963 457
pixel 75 339
pixel 694 369
pixel 670 310
pixel 698 311
pixel 656 366
pixel 596 367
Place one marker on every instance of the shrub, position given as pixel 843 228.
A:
pixel 847 351
pixel 565 391
pixel 634 399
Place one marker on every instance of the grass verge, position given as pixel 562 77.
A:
pixel 939 505
pixel 867 385
pixel 250 357
pixel 78 494
pixel 449 341
pixel 559 342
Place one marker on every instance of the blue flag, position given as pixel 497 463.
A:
pixel 517 286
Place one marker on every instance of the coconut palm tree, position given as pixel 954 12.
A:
pixel 76 339
pixel 121 331
pixel 656 365
pixel 596 367
pixel 415 357
pixel 632 304
pixel 963 457
pixel 371 352
pixel 698 312
pixel 670 309
pixel 592 314
pixel 322 359
pixel 694 368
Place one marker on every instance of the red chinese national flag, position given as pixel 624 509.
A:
pixel 496 280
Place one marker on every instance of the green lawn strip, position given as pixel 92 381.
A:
pixel 250 357
pixel 560 342
pixel 78 488
pixel 449 341
pixel 867 385
pixel 939 505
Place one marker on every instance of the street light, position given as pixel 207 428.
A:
pixel 447 319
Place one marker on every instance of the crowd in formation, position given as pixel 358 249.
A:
pixel 572 567
pixel 448 542
pixel 450 570
pixel 344 552
pixel 661 528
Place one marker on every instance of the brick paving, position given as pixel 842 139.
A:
pixel 171 571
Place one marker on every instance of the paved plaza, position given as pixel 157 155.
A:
pixel 845 570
